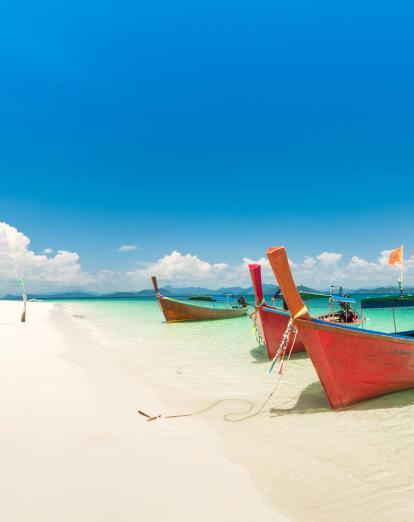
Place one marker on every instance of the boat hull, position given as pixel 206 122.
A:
pixel 175 310
pixel 355 365
pixel 274 321
pixel 274 324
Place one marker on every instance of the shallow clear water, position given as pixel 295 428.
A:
pixel 190 355
pixel 355 464
pixel 203 357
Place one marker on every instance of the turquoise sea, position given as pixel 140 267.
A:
pixel 194 358
pixel 357 461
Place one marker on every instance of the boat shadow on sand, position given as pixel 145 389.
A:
pixel 313 400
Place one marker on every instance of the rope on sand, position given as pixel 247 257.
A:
pixel 198 412
pixel 246 415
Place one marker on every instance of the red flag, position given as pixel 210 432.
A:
pixel 396 256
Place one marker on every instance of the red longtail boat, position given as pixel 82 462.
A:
pixel 175 310
pixel 352 364
pixel 272 321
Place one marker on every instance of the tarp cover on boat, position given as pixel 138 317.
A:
pixel 342 299
pixel 388 301
pixel 211 298
pixel 334 297
pixel 313 295
pixel 201 298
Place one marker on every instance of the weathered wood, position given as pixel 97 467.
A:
pixel 175 310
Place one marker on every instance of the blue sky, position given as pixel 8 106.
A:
pixel 216 129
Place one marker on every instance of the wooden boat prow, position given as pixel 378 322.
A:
pixel 272 321
pixel 175 310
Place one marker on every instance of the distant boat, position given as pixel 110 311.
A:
pixel 201 298
pixel 177 310
pixel 353 364
pixel 272 321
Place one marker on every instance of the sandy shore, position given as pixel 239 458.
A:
pixel 74 449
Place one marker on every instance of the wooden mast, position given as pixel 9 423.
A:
pixel 280 265
pixel 401 270
pixel 256 275
pixel 155 284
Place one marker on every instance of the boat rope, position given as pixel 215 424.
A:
pixel 198 412
pixel 246 415
pixel 282 367
pixel 280 353
pixel 253 316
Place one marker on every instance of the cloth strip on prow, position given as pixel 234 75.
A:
pixel 281 351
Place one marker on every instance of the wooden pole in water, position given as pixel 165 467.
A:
pixel 393 316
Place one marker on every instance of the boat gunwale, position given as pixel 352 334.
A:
pixel 244 308
pixel 317 324
pixel 276 310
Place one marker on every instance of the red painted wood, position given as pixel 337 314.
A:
pixel 274 324
pixel 273 327
pixel 256 275
pixel 355 365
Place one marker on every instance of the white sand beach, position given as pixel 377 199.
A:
pixel 74 449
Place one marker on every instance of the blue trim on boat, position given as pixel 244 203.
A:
pixel 376 332
pixel 408 334
pixel 195 305
pixel 279 312
pixel 342 299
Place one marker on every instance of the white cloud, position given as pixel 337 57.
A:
pixel 328 268
pixel 262 261
pixel 358 262
pixel 127 248
pixel 17 260
pixel 309 262
pixel 47 272
pixel 182 269
pixel 329 258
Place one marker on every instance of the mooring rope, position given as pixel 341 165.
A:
pixel 198 412
pixel 280 353
pixel 282 367
pixel 255 329
pixel 247 415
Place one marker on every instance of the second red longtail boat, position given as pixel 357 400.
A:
pixel 270 320
pixel 353 365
